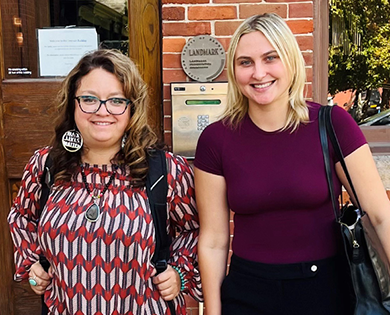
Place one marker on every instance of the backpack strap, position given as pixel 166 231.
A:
pixel 46 180
pixel 157 190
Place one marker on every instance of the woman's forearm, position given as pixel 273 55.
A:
pixel 212 263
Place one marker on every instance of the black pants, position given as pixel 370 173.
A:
pixel 311 288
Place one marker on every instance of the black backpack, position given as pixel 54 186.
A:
pixel 156 189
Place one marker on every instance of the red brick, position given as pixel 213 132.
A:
pixel 173 13
pixel 167 91
pixel 222 76
pixel 300 10
pixel 308 56
pixel 301 26
pixel 167 123
pixel 345 196
pixel 225 41
pixel 247 10
pixel 234 1
pixel 171 60
pixel 190 302
pixel 308 91
pixel 184 1
pixel 231 227
pixel 167 107
pixel 309 74
pixel 186 29
pixel 226 28
pixel 305 42
pixel 286 1
pixel 168 139
pixel 173 44
pixel 212 12
pixel 174 76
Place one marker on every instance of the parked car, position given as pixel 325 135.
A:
pixel 374 103
pixel 380 119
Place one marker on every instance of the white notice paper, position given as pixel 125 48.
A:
pixel 61 48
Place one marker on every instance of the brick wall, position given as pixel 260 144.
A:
pixel 183 19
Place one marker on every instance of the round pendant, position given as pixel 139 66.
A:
pixel 72 141
pixel 92 214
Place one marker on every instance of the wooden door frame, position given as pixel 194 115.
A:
pixel 6 258
pixel 145 48
pixel 320 53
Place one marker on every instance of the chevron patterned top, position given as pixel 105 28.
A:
pixel 104 267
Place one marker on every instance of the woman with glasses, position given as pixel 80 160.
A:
pixel 96 229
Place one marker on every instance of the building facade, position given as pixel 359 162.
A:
pixel 157 31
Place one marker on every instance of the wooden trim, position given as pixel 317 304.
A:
pixel 29 113
pixel 320 54
pixel 6 247
pixel 145 49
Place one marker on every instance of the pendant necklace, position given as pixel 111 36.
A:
pixel 93 212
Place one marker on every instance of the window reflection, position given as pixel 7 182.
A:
pixel 109 17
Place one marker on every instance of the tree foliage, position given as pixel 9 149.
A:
pixel 359 48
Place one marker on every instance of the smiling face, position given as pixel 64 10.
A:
pixel 101 129
pixel 259 72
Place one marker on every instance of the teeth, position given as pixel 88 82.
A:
pixel 102 123
pixel 261 86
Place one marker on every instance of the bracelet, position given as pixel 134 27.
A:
pixel 182 280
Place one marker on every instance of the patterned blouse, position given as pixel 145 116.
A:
pixel 104 267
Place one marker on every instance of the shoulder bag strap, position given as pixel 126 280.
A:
pixel 325 153
pixel 339 153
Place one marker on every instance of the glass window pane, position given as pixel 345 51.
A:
pixel 108 17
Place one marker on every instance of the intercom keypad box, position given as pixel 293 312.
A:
pixel 195 105
pixel 203 121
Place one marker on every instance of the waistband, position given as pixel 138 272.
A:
pixel 281 271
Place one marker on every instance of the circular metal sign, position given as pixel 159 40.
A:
pixel 203 58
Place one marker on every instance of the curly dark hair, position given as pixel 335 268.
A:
pixel 140 136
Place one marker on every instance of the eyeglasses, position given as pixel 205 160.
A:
pixel 91 104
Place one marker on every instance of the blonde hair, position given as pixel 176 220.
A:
pixel 275 29
pixel 140 137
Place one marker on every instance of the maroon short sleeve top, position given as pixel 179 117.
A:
pixel 276 186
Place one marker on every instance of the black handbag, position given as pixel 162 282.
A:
pixel 366 257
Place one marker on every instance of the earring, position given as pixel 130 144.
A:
pixel 72 141
pixel 123 143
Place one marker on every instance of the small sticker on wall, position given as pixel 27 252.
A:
pixel 19 71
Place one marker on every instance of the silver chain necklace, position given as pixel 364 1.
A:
pixel 93 212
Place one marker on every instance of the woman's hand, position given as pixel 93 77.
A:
pixel 168 283
pixel 41 278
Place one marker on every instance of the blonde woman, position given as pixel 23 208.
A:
pixel 263 160
pixel 96 229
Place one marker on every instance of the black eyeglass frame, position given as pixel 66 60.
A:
pixel 102 102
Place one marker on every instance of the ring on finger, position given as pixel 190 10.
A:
pixel 33 281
